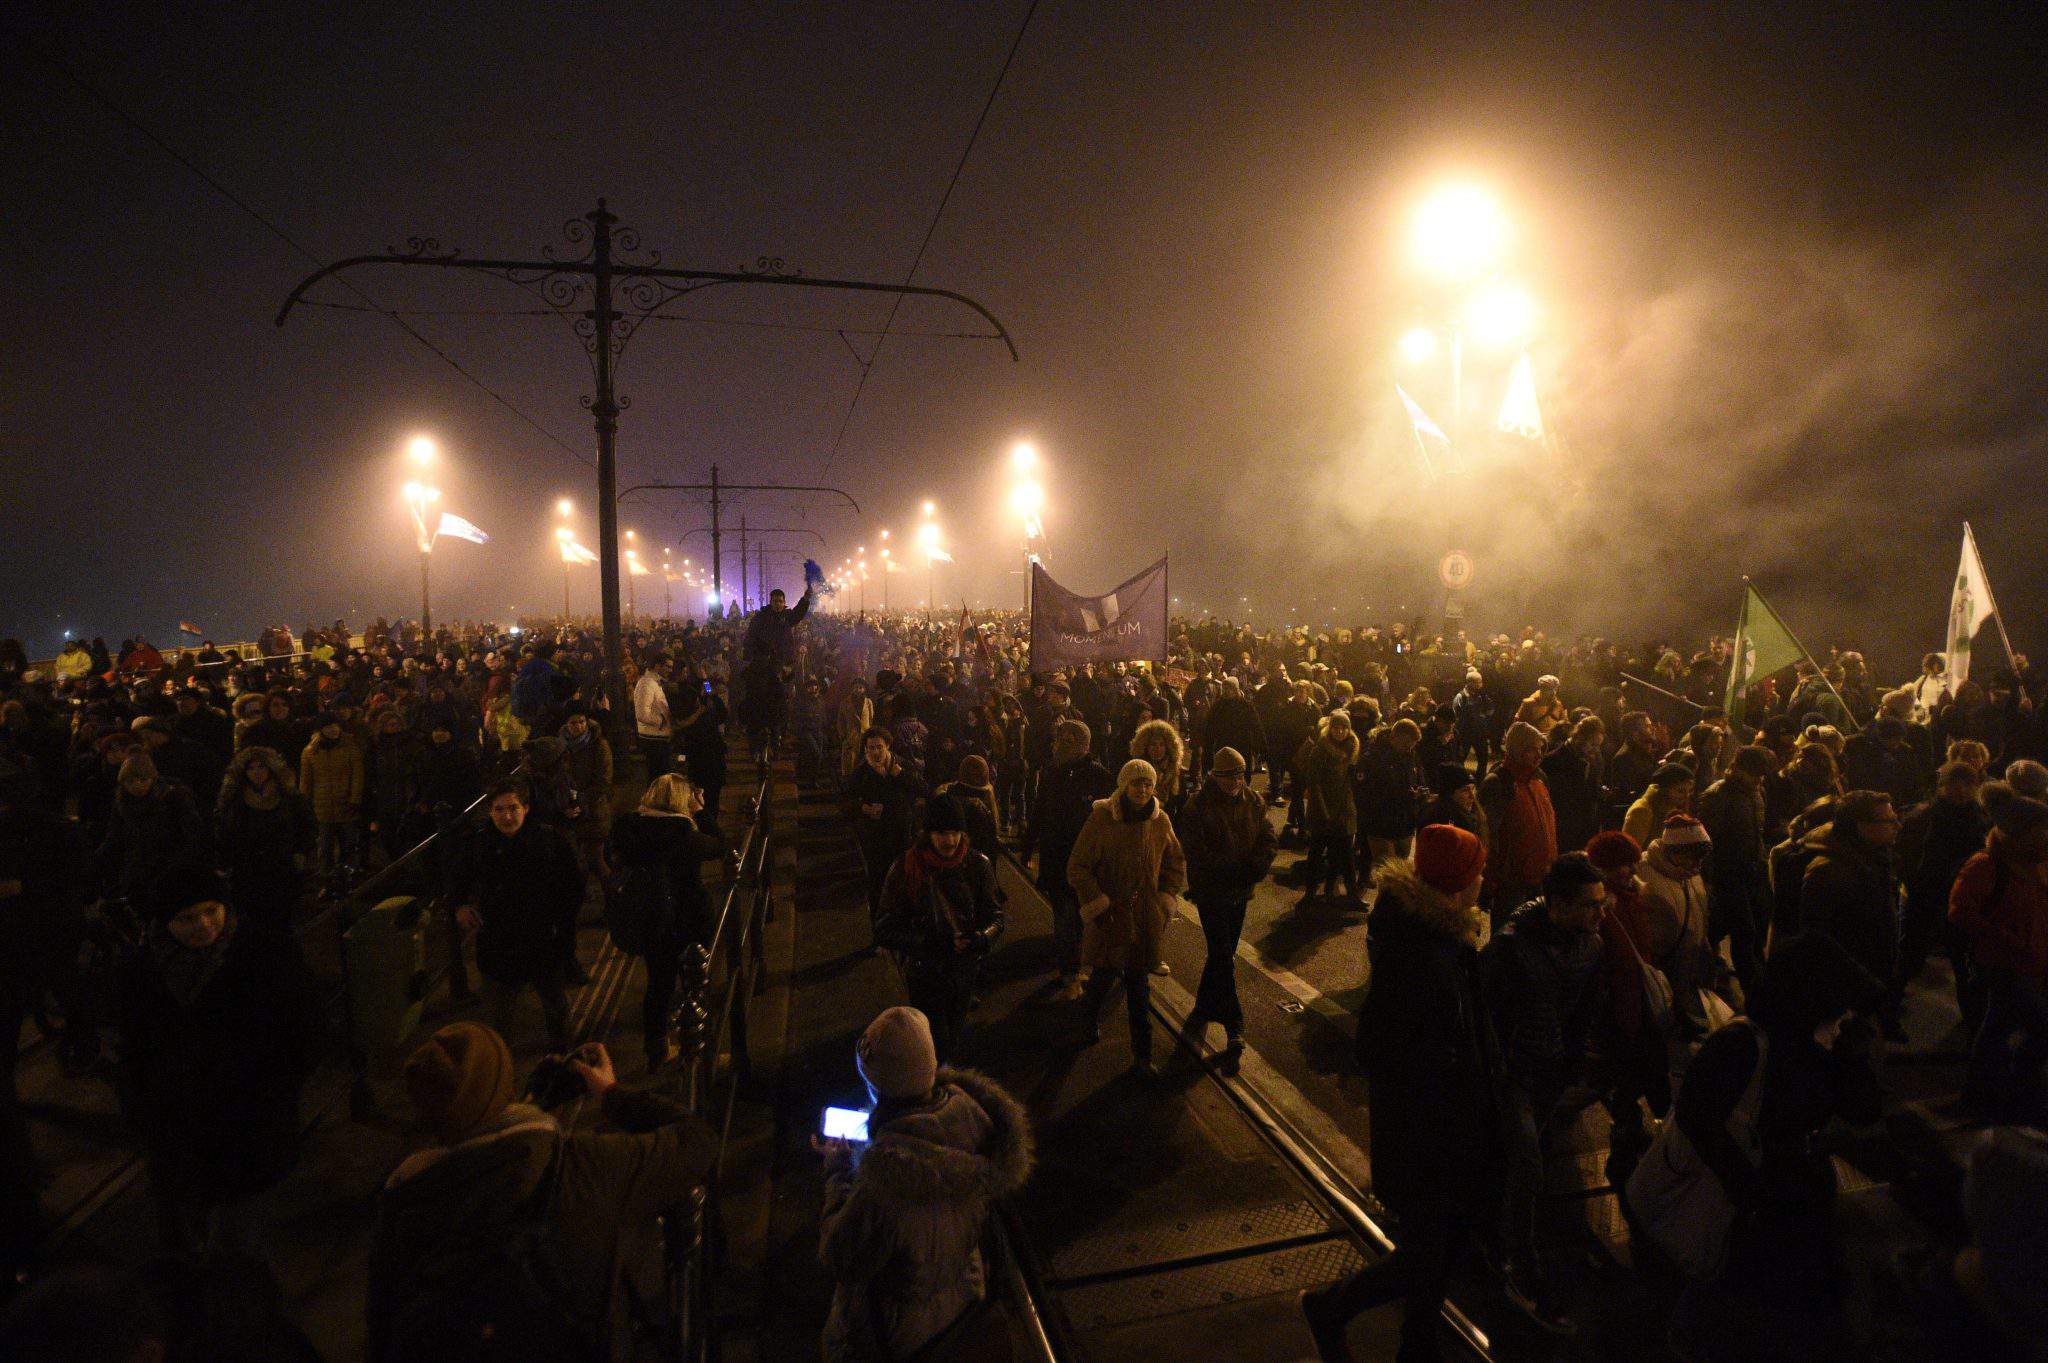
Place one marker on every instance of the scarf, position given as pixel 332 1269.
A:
pixel 186 971
pixel 923 861
pixel 1129 813
pixel 269 797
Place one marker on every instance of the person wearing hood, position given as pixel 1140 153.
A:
pixel 661 845
pixel 1457 800
pixel 1157 742
pixel 155 825
pixel 219 1029
pixel 500 1172
pixel 1544 988
pixel 262 830
pixel 1426 1044
pixel 1127 868
pixel 332 778
pixel 1229 848
pixel 1068 788
pixel 2000 906
pixel 901 1228
pixel 1325 763
pixel 1521 822
pixel 1850 891
pixel 941 912
pixel 1733 813
pixel 1752 1105
pixel 976 795
pixel 519 892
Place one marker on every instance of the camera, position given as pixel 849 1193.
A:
pixel 554 1081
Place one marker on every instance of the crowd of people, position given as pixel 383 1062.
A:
pixel 1590 887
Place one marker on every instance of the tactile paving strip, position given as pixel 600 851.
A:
pixel 1149 1295
pixel 1118 1250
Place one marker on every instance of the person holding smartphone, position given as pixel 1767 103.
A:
pixel 901 1227
pixel 941 911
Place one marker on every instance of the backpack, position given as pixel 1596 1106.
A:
pixel 641 912
pixel 502 1297
pixel 1678 1200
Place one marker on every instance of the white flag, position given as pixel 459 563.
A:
pixel 637 568
pixel 1972 615
pixel 1419 418
pixel 452 524
pixel 1519 414
pixel 572 552
pixel 938 556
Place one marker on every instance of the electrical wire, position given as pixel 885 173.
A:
pixel 897 302
pixel 654 317
pixel 141 130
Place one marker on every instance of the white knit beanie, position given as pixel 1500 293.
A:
pixel 896 1056
pixel 1137 769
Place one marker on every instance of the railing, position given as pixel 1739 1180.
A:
pixel 713 985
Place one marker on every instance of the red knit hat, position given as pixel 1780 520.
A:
pixel 1447 858
pixel 1613 849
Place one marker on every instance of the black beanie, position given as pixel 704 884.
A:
pixel 942 814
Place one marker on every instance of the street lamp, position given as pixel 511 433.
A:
pixel 422 450
pixel 563 535
pixel 1459 231
pixel 1504 315
pixel 928 540
pixel 421 498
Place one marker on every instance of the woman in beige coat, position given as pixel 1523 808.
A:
pixel 1126 870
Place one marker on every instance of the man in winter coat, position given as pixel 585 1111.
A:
pixel 219 1028
pixel 2000 905
pixel 1544 989
pixel 1850 889
pixel 332 778
pixel 1229 848
pixel 1629 770
pixel 1233 722
pixel 1732 809
pixel 901 1227
pixel 520 892
pixel 1127 868
pixel 1474 710
pixel 941 911
pixel 881 800
pixel 1293 727
pixel 587 758
pixel 447 1211
pixel 155 826
pixel 262 830
pixel 1575 773
pixel 1520 820
pixel 1426 1044
pixel 1390 790
pixel 772 632
pixel 393 778
pixel 1067 790
pixel 1934 841
pixel 191 764
pixel 1457 800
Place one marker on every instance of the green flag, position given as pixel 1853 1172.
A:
pixel 1762 646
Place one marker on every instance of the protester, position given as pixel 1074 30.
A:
pixel 1325 763
pixel 975 793
pixel 332 778
pixel 1521 825
pixel 1229 848
pixel 881 798
pixel 2000 905
pixel 1390 790
pixel 941 913
pixel 518 892
pixel 219 1028
pixel 263 830
pixel 1670 792
pixel 1850 889
pixel 901 1227
pixel 660 852
pixel 651 716
pixel 155 825
pixel 1732 812
pixel 1126 869
pixel 1935 840
pixel 1068 788
pixel 509 1228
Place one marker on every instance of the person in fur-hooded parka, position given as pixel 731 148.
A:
pixel 1158 742
pixel 902 1225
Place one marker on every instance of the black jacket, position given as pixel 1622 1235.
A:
pixel 887 835
pixel 528 889
pixel 1232 722
pixel 1387 781
pixel 1426 1044
pixel 676 843
pixel 1850 894
pixel 1576 795
pixel 922 923
pixel 1066 793
pixel 1934 842
pixel 1542 990
pixel 1228 844
pixel 214 1084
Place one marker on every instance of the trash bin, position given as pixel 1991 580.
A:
pixel 386 953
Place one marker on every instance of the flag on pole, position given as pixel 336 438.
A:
pixel 1519 413
pixel 1419 418
pixel 938 555
pixel 1763 645
pixel 452 524
pixel 636 567
pixel 572 552
pixel 1972 617
pixel 187 627
pixel 960 635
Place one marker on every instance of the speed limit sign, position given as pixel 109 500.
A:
pixel 1455 569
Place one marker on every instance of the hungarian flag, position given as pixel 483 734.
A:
pixel 187 627
pixel 1973 621
pixel 1519 413
pixel 1763 646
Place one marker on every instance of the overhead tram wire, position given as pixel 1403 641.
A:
pixel 140 129
pixel 551 314
pixel 867 367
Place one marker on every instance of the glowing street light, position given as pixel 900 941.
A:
pixel 1418 344
pixel 1024 456
pixel 422 450
pixel 1503 315
pixel 420 499
pixel 565 507
pixel 1459 231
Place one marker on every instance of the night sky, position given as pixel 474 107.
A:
pixel 1789 262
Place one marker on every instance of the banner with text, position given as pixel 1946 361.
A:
pixel 1127 625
